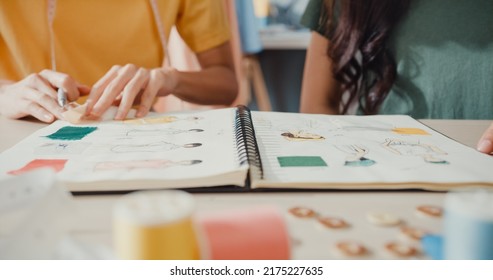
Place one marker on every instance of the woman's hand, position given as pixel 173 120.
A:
pixel 485 144
pixel 128 85
pixel 36 95
pixel 214 84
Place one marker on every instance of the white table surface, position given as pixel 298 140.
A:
pixel 310 240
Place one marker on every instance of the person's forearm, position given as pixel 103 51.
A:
pixel 214 85
pixel 320 92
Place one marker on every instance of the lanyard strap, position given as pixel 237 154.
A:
pixel 162 34
pixel 51 11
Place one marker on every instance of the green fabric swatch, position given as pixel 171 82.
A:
pixel 301 161
pixel 71 133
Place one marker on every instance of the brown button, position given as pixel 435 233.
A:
pixel 413 233
pixel 429 210
pixel 351 248
pixel 401 250
pixel 332 222
pixel 302 212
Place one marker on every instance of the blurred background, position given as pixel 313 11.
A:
pixel 283 48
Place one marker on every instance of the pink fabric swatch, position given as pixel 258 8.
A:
pixel 56 164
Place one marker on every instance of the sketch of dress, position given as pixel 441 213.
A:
pixel 151 147
pixel 161 119
pixel 142 164
pixel 356 155
pixel 300 135
pixel 160 131
pixel 428 152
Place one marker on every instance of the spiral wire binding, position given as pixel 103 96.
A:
pixel 248 152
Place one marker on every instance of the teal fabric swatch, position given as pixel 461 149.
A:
pixel 301 161
pixel 71 133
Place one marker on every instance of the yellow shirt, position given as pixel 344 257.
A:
pixel 93 35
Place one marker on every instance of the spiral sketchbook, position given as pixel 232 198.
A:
pixel 241 149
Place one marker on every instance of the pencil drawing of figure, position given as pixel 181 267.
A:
pixel 151 147
pixel 356 155
pixel 142 164
pixel 161 120
pixel 429 153
pixel 300 135
pixel 161 131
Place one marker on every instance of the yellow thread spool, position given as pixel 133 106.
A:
pixel 155 225
pixel 261 8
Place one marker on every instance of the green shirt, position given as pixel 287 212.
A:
pixel 444 55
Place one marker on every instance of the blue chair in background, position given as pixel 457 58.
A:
pixel 251 45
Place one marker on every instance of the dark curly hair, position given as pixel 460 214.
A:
pixel 358 31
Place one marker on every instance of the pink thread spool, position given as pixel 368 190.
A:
pixel 249 234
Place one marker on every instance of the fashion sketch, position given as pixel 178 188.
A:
pixel 300 135
pixel 161 119
pixel 429 153
pixel 356 155
pixel 160 131
pixel 142 164
pixel 152 147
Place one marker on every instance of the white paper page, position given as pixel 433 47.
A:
pixel 321 150
pixel 189 149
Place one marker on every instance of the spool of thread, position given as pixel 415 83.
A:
pixel 155 225
pixel 261 8
pixel 469 225
pixel 249 234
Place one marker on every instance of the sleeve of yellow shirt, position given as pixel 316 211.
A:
pixel 203 24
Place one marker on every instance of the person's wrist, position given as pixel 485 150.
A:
pixel 171 79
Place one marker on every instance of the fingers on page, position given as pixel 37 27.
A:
pixel 113 89
pixel 63 81
pixel 131 91
pixel 485 144
pixel 99 87
pixel 150 92
pixel 36 100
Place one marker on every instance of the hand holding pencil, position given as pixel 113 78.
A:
pixel 42 95
pixel 62 98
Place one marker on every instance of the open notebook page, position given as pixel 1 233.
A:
pixel 194 149
pixel 363 152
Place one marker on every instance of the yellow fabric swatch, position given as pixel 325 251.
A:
pixel 409 130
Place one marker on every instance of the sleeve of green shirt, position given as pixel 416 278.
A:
pixel 312 17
